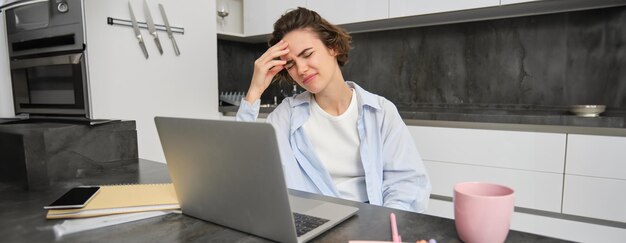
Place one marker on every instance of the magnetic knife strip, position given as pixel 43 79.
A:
pixel 143 25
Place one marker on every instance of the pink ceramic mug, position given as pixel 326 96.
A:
pixel 482 211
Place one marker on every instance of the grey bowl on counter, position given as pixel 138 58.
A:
pixel 587 110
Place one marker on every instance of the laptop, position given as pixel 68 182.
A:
pixel 230 173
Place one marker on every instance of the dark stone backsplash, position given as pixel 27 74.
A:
pixel 552 60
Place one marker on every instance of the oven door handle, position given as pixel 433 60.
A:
pixel 19 4
pixel 46 61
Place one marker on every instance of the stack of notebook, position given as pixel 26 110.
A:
pixel 117 199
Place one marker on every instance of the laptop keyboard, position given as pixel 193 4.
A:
pixel 306 223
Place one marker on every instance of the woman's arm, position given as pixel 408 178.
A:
pixel 265 68
pixel 405 181
pixel 248 111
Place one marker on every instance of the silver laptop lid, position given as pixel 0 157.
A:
pixel 222 175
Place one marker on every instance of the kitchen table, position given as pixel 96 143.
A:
pixel 22 218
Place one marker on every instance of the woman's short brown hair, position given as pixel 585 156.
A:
pixel 332 36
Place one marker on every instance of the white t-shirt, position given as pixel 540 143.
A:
pixel 336 142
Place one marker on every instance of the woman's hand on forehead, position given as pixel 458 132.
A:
pixel 265 68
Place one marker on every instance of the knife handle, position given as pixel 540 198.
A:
pixel 143 48
pixel 175 47
pixel 158 44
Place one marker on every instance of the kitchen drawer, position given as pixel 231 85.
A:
pixel 536 190
pixel 595 197
pixel 600 156
pixel 533 151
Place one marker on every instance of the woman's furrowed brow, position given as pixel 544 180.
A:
pixel 303 51
pixel 299 55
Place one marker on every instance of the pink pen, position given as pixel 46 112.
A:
pixel 395 237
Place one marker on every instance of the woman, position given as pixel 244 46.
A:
pixel 336 139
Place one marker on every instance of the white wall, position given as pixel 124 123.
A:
pixel 125 85
pixel 6 93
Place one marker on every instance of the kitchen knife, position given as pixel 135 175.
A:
pixel 168 28
pixel 151 27
pixel 137 32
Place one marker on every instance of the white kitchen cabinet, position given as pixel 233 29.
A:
pixel 228 118
pixel 350 11
pixel 595 177
pixel 536 190
pixel 453 155
pixel 532 151
pixel 403 8
pixel 570 230
pixel 529 162
pixel 597 156
pixel 505 2
pixel 233 23
pixel 260 15
pixel 595 197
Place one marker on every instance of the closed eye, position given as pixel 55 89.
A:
pixel 289 64
pixel 304 53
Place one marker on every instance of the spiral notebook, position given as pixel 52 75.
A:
pixel 116 199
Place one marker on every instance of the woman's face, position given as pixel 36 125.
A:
pixel 309 62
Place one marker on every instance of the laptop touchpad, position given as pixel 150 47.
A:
pixel 302 205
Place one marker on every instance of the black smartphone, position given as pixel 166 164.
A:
pixel 76 197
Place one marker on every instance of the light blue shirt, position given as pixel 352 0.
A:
pixel 394 172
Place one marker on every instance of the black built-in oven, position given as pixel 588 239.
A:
pixel 47 58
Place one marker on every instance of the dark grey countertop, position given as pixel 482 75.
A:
pixel 513 114
pixel 502 117
pixel 22 218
